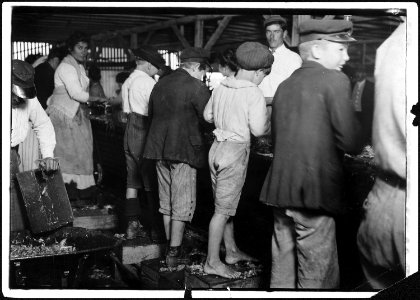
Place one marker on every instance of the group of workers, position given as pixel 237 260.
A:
pixel 313 123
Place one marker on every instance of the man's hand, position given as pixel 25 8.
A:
pixel 48 164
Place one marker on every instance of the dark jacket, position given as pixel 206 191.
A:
pixel 366 117
pixel 313 125
pixel 176 108
pixel 44 82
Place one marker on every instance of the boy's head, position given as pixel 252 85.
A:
pixel 195 61
pixel 256 58
pixel 326 42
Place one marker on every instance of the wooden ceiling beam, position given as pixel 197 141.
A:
pixel 156 26
pixel 148 37
pixel 215 36
pixel 180 36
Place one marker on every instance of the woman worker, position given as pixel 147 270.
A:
pixel 68 113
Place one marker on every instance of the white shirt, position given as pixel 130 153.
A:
pixel 237 108
pixel 285 63
pixel 357 95
pixel 388 131
pixel 66 75
pixel 32 111
pixel 136 93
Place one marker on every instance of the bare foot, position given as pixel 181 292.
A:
pixel 220 269
pixel 232 257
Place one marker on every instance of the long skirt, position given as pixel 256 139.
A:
pixel 74 147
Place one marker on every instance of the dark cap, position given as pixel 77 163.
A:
pixel 330 30
pixel 254 56
pixel 23 79
pixel 195 54
pixel 150 55
pixel 272 19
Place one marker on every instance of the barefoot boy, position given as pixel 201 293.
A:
pixel 237 108
pixel 313 125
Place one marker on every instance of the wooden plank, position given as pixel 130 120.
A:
pixel 180 36
pixel 198 33
pixel 156 26
pixel 328 17
pixel 152 277
pixel 46 201
pixel 96 222
pixel 215 36
pixel 140 249
pixel 204 281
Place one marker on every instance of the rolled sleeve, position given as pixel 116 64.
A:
pixel 258 116
pixel 43 128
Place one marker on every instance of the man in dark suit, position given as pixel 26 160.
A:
pixel 362 99
pixel 176 142
pixel 44 75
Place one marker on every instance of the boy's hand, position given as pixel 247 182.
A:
pixel 48 164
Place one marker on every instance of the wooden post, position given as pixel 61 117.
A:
pixel 215 36
pixel 180 36
pixel 133 41
pixel 297 19
pixel 93 50
pixel 148 37
pixel 198 33
pixel 364 53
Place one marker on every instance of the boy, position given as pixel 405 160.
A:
pixel 237 108
pixel 313 125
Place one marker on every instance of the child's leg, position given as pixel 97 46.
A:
pixel 213 263
pixel 233 253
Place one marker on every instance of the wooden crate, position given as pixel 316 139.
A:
pixel 203 281
pixel 140 249
pixel 95 219
pixel 152 278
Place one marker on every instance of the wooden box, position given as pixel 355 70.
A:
pixel 140 249
pixel 152 278
pixel 95 219
pixel 203 281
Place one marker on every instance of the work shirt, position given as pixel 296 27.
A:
pixel 136 92
pixel 237 108
pixel 285 63
pixel 388 132
pixel 32 111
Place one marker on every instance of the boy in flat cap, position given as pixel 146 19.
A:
pixel 26 107
pixel 285 60
pixel 313 125
pixel 237 108
pixel 140 172
pixel 175 140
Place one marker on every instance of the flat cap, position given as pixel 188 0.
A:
pixel 254 56
pixel 149 54
pixel 23 79
pixel 270 19
pixel 195 54
pixel 330 30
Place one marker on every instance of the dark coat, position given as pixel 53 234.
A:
pixel 176 109
pixel 366 117
pixel 313 125
pixel 44 82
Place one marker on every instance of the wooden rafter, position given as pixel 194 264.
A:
pixel 156 26
pixel 148 37
pixel 180 36
pixel 215 36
